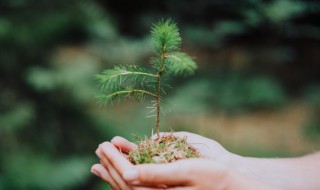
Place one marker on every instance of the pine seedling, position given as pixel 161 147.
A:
pixel 138 83
pixel 131 81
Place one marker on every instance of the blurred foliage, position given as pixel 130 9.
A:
pixel 48 130
pixel 312 127
pixel 252 55
pixel 232 93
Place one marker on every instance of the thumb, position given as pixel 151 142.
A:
pixel 176 173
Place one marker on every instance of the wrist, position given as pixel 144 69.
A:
pixel 231 180
pixel 234 169
pixel 249 168
pixel 237 181
pixel 234 162
pixel 239 164
pixel 234 180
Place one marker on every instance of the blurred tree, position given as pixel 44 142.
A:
pixel 47 132
pixel 277 35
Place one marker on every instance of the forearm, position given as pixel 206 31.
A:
pixel 301 173
pixel 241 182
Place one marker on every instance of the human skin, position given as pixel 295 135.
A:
pixel 220 170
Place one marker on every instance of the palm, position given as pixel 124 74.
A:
pixel 116 163
pixel 208 148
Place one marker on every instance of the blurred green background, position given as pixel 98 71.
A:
pixel 257 89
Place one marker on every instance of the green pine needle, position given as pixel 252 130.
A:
pixel 165 33
pixel 120 75
pixel 124 93
pixel 180 63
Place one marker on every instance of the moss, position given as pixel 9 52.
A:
pixel 162 150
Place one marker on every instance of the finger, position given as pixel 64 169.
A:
pixel 123 144
pixel 98 153
pixel 162 188
pixel 147 188
pixel 103 173
pixel 117 160
pixel 115 176
pixel 179 188
pixel 176 173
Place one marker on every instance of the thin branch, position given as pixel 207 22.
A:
pixel 132 73
pixel 131 91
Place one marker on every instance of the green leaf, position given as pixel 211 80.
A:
pixel 111 79
pixel 180 64
pixel 165 36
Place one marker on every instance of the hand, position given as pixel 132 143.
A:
pixel 207 148
pixel 195 174
pixel 183 174
pixel 116 170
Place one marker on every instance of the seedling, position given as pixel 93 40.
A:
pixel 132 81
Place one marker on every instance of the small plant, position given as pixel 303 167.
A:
pixel 135 82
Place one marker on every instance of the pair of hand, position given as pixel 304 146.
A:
pixel 211 172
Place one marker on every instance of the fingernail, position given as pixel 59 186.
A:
pixel 130 175
pixel 95 172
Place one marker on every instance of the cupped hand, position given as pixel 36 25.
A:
pixel 186 174
pixel 120 148
pixel 190 174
